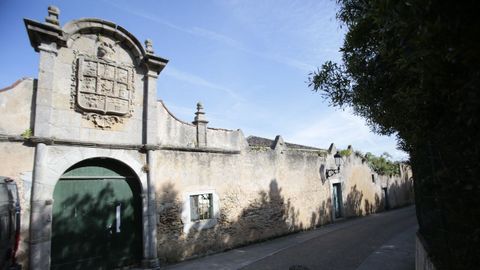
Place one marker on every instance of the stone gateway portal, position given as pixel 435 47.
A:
pixel 96 217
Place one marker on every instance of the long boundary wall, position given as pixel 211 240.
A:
pixel 258 190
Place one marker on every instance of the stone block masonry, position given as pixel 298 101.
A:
pixel 195 189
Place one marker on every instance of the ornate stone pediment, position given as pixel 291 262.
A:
pixel 103 89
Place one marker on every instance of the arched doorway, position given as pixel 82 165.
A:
pixel 96 217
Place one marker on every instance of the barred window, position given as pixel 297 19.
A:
pixel 201 207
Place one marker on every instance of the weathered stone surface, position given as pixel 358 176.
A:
pixel 96 98
pixel 260 193
pixel 16 107
pixel 263 193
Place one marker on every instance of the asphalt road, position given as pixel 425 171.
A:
pixel 346 248
pixel 382 241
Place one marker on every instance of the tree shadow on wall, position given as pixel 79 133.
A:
pixel 170 238
pixel 352 204
pixel 374 207
pixel 85 233
pixel 398 195
pixel 401 194
pixel 322 215
pixel 267 215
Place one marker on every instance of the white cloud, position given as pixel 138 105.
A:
pixel 281 59
pixel 221 38
pixel 306 32
pixel 199 81
pixel 343 128
pixel 205 33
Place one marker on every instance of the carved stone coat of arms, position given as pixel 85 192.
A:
pixel 103 88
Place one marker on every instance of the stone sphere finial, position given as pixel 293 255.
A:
pixel 149 46
pixel 53 13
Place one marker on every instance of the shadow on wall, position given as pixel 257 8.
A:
pixel 356 205
pixel 86 232
pixel 398 195
pixel 353 204
pixel 377 206
pixel 268 215
pixel 401 194
pixel 322 215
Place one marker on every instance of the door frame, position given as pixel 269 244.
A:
pixel 50 163
pixel 333 182
pixel 113 172
pixel 385 196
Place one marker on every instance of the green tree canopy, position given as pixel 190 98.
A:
pixel 382 164
pixel 412 68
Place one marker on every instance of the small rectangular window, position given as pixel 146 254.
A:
pixel 201 207
pixel 373 178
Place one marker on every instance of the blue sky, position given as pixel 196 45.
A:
pixel 247 61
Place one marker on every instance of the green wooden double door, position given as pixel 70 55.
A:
pixel 96 217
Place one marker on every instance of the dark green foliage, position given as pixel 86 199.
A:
pixel 382 164
pixel 411 68
pixel 345 152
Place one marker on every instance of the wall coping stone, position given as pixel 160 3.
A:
pixel 140 147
